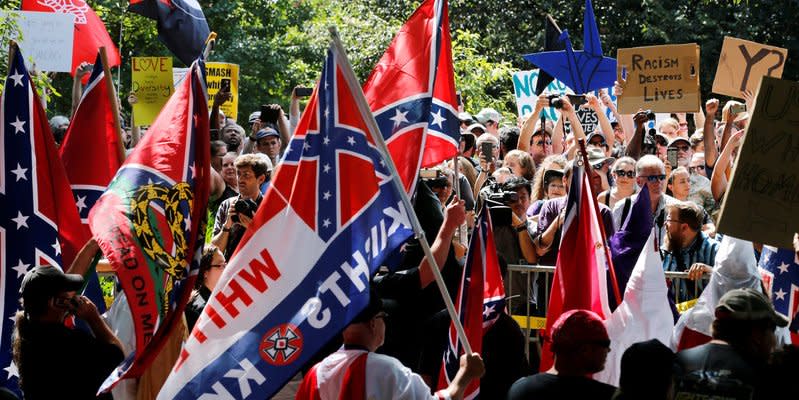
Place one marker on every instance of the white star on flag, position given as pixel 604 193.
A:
pixel 399 118
pixel 20 172
pixel 437 118
pixel 21 220
pixel 19 126
pixel 325 140
pixel 12 370
pixel 351 140
pixel 57 247
pixel 326 222
pixel 326 195
pixel 193 173
pixel 780 294
pixel 21 269
pixel 306 146
pixel 17 77
pixel 488 311
pixel 326 168
pixel 783 268
pixel 81 203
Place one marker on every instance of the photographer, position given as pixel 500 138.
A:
pixel 235 214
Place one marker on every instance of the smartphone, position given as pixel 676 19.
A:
pixel 224 85
pixel 303 91
pixel 269 114
pixel 577 99
pixel 738 108
pixel 460 100
pixel 671 156
pixel 487 149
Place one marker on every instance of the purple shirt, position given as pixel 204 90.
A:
pixel 550 211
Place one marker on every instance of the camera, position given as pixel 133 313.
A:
pixel 498 195
pixel 555 101
pixel 649 144
pixel 244 207
pixel 224 85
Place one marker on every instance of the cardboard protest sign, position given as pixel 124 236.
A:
pixel 660 78
pixel 152 82
pixel 524 83
pixel 46 39
pixel 762 200
pixel 742 63
pixel 219 73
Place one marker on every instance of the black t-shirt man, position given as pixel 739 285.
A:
pixel 62 363
pixel 546 386
pixel 714 369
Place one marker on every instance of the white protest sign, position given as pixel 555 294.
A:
pixel 46 39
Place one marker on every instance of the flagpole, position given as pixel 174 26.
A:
pixel 595 204
pixel 369 118
pixel 112 98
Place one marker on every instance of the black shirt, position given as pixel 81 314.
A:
pixel 546 386
pixel 61 363
pixel 195 306
pixel 715 369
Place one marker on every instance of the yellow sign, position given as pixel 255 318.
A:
pixel 152 82
pixel 218 74
pixel 660 78
pixel 742 63
pixel 762 200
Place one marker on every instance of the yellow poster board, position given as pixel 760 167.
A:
pixel 151 81
pixel 762 199
pixel 742 63
pixel 216 72
pixel 659 78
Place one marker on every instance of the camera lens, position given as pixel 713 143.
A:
pixel 650 115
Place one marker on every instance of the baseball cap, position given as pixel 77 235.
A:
pixel 577 327
pixel 474 126
pixel 597 156
pixel 375 306
pixel 662 136
pixel 46 281
pixel 488 114
pixel 595 134
pixel 465 117
pixel 748 305
pixel 679 139
pixel 266 132
pixel 254 116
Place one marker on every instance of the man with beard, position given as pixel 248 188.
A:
pixel 687 248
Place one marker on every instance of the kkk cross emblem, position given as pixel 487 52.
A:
pixel 77 8
pixel 281 345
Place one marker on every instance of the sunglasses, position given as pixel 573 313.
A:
pixel 682 148
pixel 654 178
pixel 696 168
pixel 219 265
pixel 599 166
pixel 621 173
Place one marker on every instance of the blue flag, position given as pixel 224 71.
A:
pixel 181 25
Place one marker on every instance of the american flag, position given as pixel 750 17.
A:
pixel 39 223
pixel 780 275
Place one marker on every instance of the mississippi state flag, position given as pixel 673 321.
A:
pixel 302 269
pixel 411 92
pixel 90 33
pixel 481 298
pixel 150 223
pixel 39 224
pixel 580 280
pixel 181 25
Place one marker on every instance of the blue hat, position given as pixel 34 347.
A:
pixel 266 132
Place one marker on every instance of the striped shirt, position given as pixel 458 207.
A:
pixel 702 250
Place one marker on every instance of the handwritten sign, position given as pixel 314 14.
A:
pixel 762 200
pixel 217 73
pixel 152 82
pixel 660 78
pixel 46 39
pixel 742 63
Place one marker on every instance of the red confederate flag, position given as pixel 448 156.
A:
pixel 90 32
pixel 580 272
pixel 411 92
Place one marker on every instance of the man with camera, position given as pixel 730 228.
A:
pixel 235 214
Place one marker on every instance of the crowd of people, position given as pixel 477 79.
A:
pixel 520 172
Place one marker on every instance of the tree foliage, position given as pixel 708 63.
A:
pixel 281 43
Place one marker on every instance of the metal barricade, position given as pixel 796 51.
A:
pixel 530 323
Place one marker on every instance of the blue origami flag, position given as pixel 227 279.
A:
pixel 582 70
